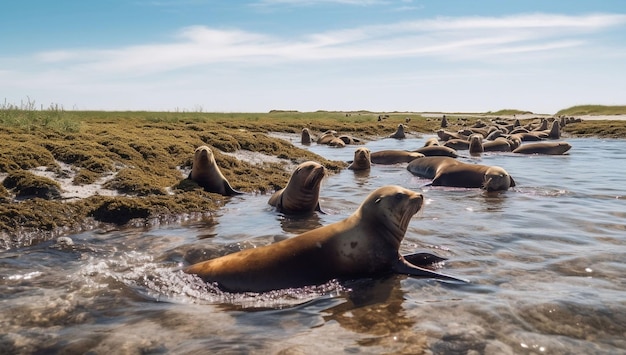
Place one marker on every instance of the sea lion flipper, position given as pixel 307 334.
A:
pixel 512 182
pixel 229 189
pixel 319 209
pixel 404 267
pixel 423 259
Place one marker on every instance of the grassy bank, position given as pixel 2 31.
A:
pixel 598 110
pixel 141 159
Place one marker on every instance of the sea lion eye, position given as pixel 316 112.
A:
pixel 378 200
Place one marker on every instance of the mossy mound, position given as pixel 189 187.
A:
pixel 593 128
pixel 28 185
pixel 22 153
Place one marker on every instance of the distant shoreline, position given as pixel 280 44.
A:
pixel 524 116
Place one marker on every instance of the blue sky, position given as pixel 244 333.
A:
pixel 308 55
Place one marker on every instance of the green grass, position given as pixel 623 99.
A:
pixel 27 117
pixel 597 110
pixel 508 112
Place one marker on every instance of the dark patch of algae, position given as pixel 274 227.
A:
pixel 142 156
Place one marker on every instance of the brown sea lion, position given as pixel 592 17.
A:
pixel 301 195
pixel 515 141
pixel 206 173
pixel 362 160
pixel 447 135
pixel 305 136
pixel 457 144
pixel 476 144
pixel 336 142
pixel 494 134
pixel 393 156
pixel 399 133
pixel 530 136
pixel 445 171
pixel 555 131
pixel 431 141
pixel 429 167
pixel 363 245
pixel 326 137
pixel 437 150
pixel 548 148
pixel 349 139
pixel 499 144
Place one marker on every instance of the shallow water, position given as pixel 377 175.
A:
pixel 545 260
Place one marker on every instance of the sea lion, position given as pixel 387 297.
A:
pixel 499 144
pixel 437 150
pixel 305 136
pixel 431 141
pixel 457 144
pixel 515 141
pixel 399 134
pixel 447 135
pixel 497 133
pixel 476 144
pixel 445 171
pixel 336 142
pixel 206 173
pixel 549 148
pixel 301 195
pixel 326 137
pixel 555 131
pixel 349 139
pixel 362 160
pixel 363 245
pixel 429 167
pixel 394 156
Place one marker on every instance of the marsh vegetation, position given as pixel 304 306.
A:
pixel 135 163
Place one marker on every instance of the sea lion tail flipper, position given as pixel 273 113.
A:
pixel 229 189
pixel 423 259
pixel 512 182
pixel 404 267
pixel 319 209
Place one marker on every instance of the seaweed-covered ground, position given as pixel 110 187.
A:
pixel 65 172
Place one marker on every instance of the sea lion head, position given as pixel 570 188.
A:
pixel 362 159
pixel 497 179
pixel 305 138
pixel 307 176
pixel 476 143
pixel 563 147
pixel 203 161
pixel 515 141
pixel 388 210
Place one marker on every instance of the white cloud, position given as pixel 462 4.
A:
pixel 445 37
pixel 223 65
